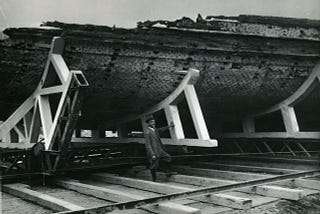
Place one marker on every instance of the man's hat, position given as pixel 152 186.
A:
pixel 149 117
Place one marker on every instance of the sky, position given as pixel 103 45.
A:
pixel 126 13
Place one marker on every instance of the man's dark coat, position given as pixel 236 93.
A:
pixel 155 147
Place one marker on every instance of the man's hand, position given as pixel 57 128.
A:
pixel 171 125
pixel 154 157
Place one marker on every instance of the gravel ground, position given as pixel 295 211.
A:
pixel 308 205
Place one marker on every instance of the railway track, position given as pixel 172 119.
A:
pixel 213 184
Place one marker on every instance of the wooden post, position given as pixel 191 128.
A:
pixel 172 115
pixel 27 123
pixel 46 118
pixel 196 112
pixel 95 134
pixel 289 119
pixel 122 131
pixel 144 124
pixel 35 125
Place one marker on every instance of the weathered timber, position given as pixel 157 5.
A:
pixel 22 191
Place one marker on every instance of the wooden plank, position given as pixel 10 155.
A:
pixel 185 179
pixel 27 123
pixel 172 115
pixel 266 190
pixel 118 196
pixel 170 207
pixel 196 112
pixel 166 141
pixel 276 191
pixel 202 191
pixel 289 119
pixel 21 191
pixel 219 199
pixel 60 66
pixel 290 160
pixel 302 183
pixel 35 125
pixel 16 145
pixel 270 135
pixel 279 163
pixel 45 116
pixel 138 184
pixel 51 90
pixel 99 192
pixel 237 176
pixel 243 168
pixel 279 192
pixel 224 199
pixel 202 181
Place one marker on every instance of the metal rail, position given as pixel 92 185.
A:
pixel 187 194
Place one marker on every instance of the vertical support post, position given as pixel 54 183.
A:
pixel 35 125
pixel 248 125
pixel 78 133
pixel 27 123
pixel 45 115
pixel 19 129
pixel 95 134
pixel 7 138
pixel 172 115
pixel 196 112
pixel 290 119
pixel 122 131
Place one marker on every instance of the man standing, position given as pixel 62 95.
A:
pixel 155 148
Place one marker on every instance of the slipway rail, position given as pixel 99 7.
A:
pixel 187 194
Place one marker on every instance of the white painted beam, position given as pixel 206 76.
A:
pixel 60 67
pixel 27 123
pixel 290 119
pixel 166 141
pixel 7 125
pixel 45 116
pixel 172 115
pixel 51 90
pixel 196 112
pixel 35 125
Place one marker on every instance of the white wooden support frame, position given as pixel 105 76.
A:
pixel 169 105
pixel 33 120
pixel 286 107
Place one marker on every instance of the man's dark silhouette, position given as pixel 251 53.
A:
pixel 155 148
